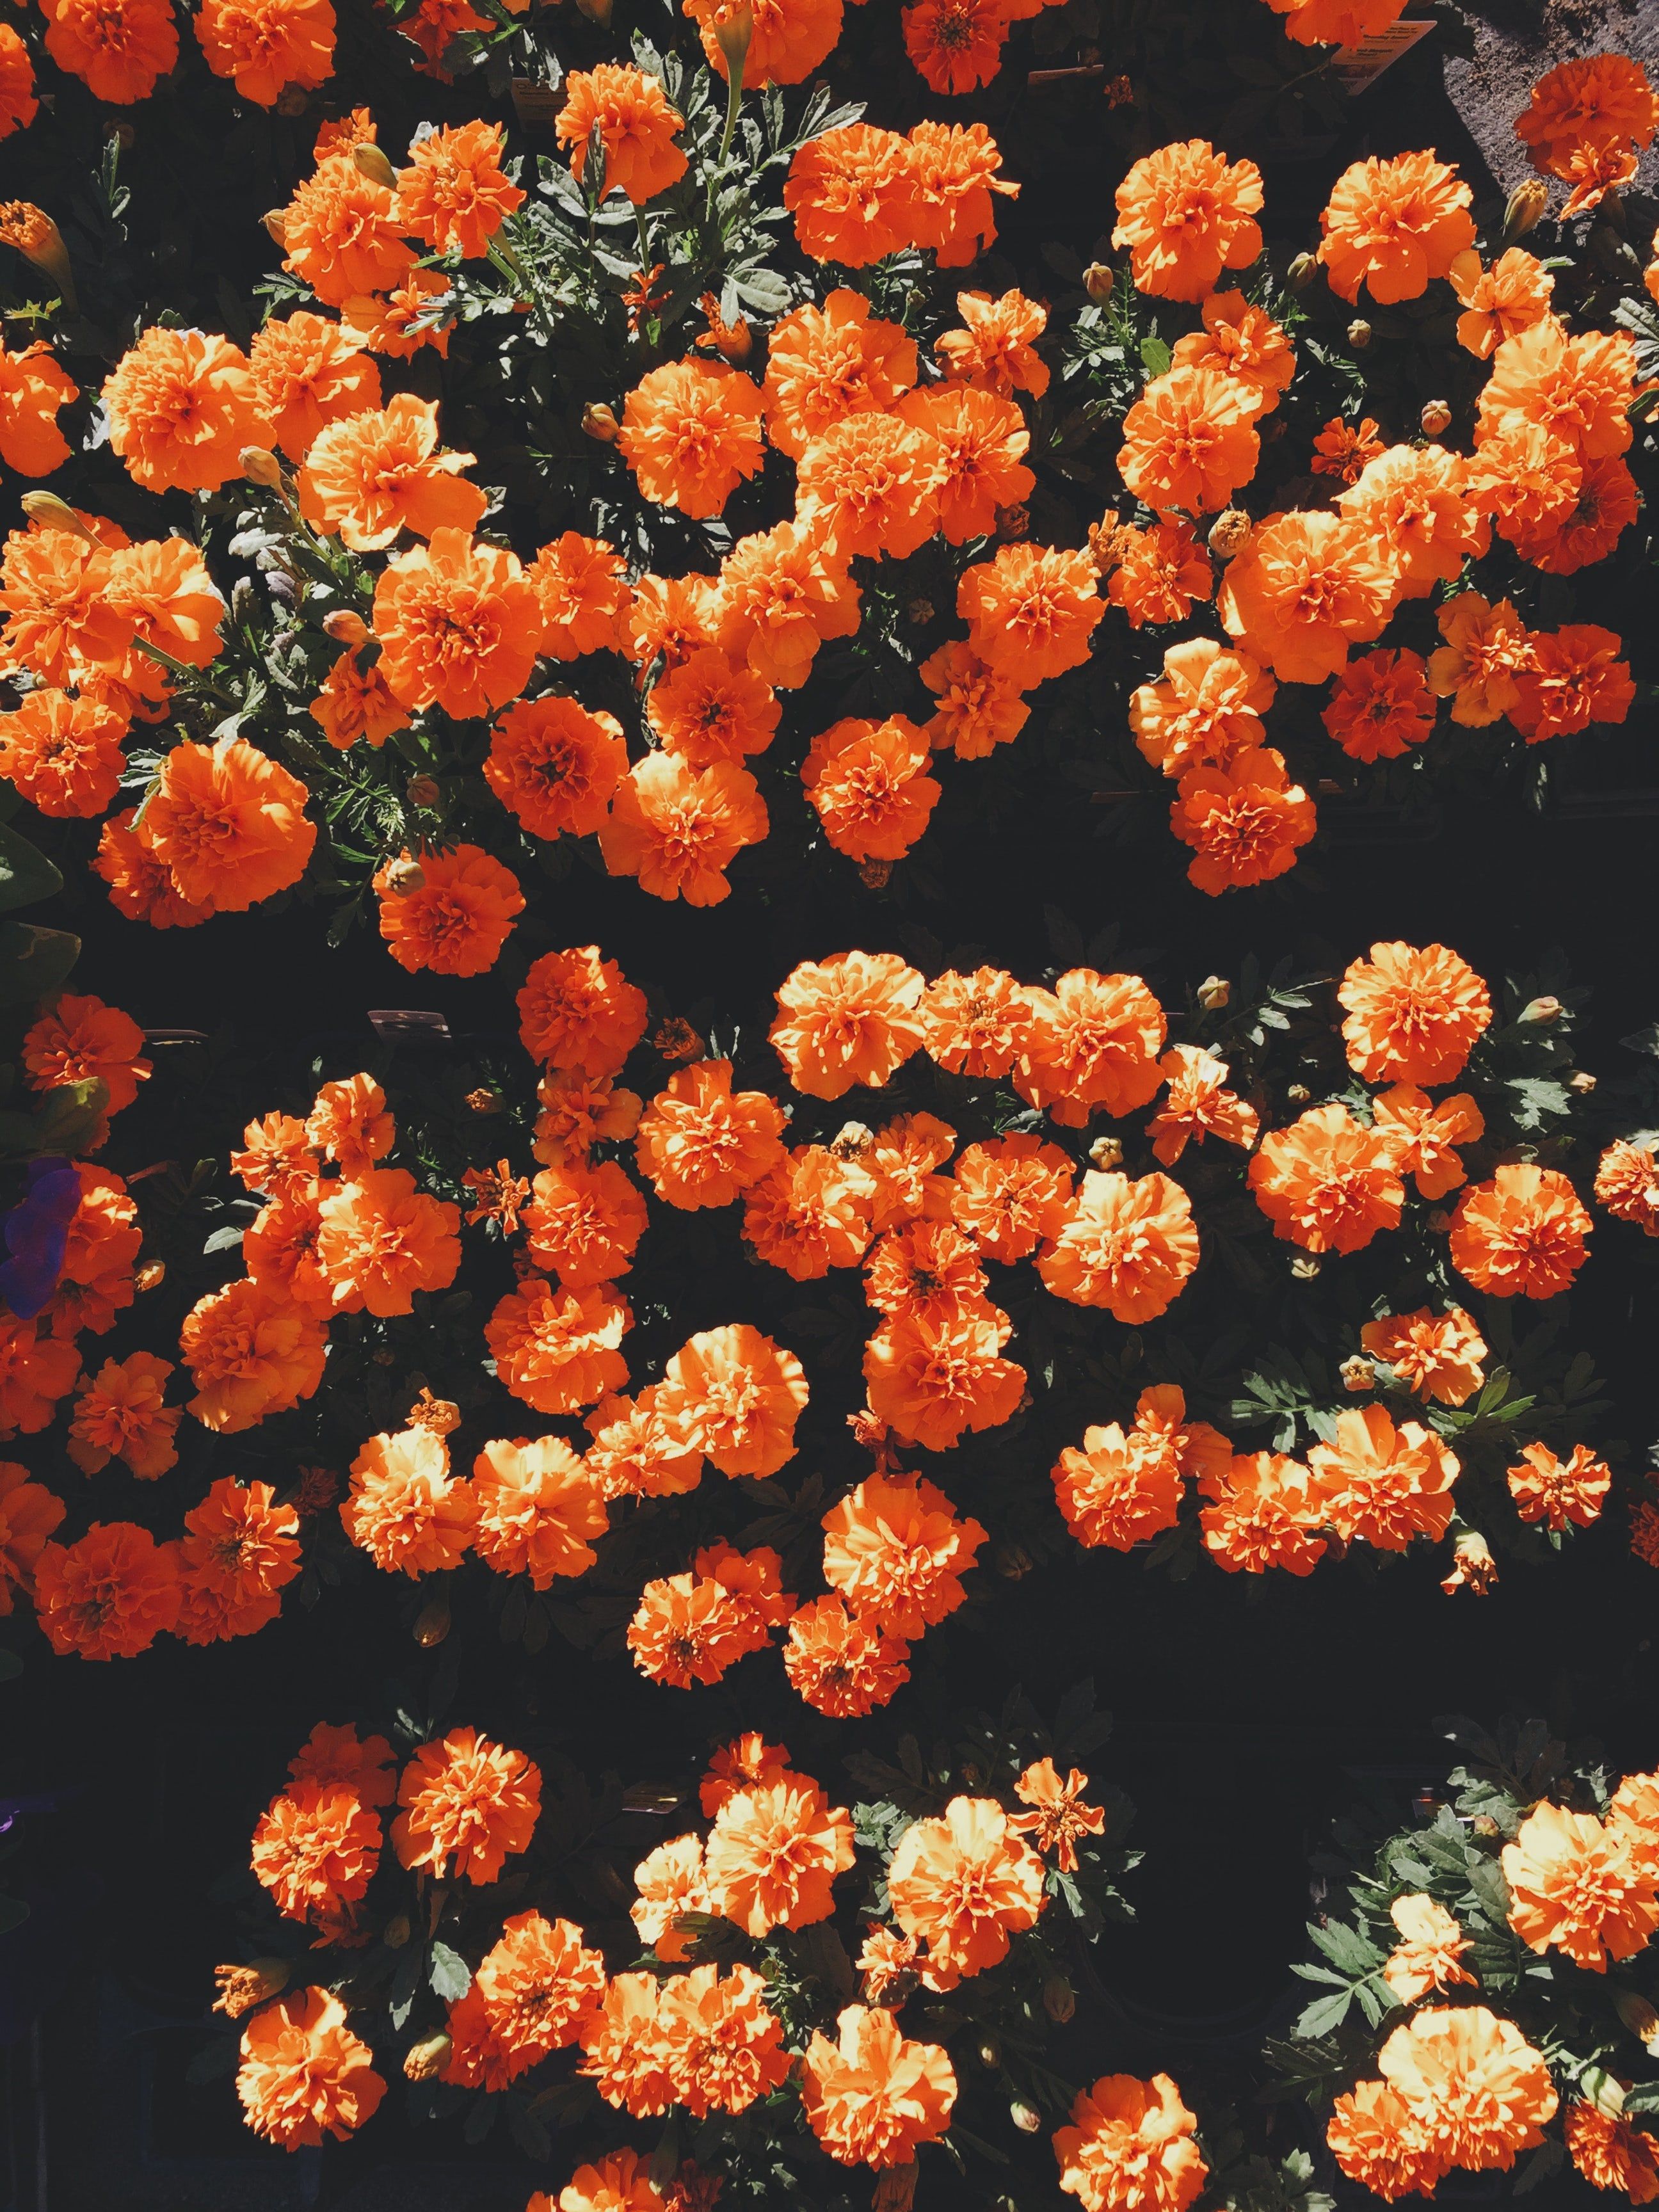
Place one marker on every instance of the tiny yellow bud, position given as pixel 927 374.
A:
pixel 1542 1013
pixel 600 422
pixel 1215 992
pixel 345 628
pixel 1359 334
pixel 1302 271
pixel 1107 1153
pixel 261 466
pixel 1228 533
pixel 1098 281
pixel 48 512
pixel 427 2057
pixel 1527 206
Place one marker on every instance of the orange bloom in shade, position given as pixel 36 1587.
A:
pixel 370 477
pixel 995 350
pixel 109 1595
pixel 749 1763
pixel 307 374
pixel 840 1663
pixel 1198 1105
pixel 304 2074
pixel 355 702
pixel 1060 1817
pixel 1424 1961
pixel 238 1550
pixel 82 1039
pixel 584 1223
pixel 579 1111
pixel 118 48
pixel 626 2058
pixel 456 920
pixel 161 590
pixel 1579 387
pixel 1246 823
pixel 578 1012
pixel 1326 1183
pixel 868 783
pixel 1130 2147
pixel 1499 302
pixel 399 322
pixel 1415 499
pixel 773 1853
pixel 735 1396
pixel 872 2097
pixel 781 593
pixel 635 1452
pixel 316 1848
pixel 28 1514
pixel 32 388
pixel 709 708
pixel 668 619
pixel 276 1156
pixel 678 828
pixel 1128 1244
pixel 182 404
pixel 853 194
pixel 1575 678
pixel 1596 101
pixel 702 1144
pixel 870 484
pixel 348 1123
pixel 1031 612
pixel 459 623
pixel 534 1992
pixel 405 1509
pixel 1627 1184
pixel 1413 1015
pixel 929 1379
pixel 140 887
pixel 467 1803
pixel 1575 1884
pixel 1266 1513
pixel 1186 214
pixel 1425 1136
pixel 896 1553
pixel 380 1240
pixel 1559 1493
pixel 1243 343
pixel 1190 440
pixel 18 105
pixel 850 1020
pixel 927 1267
pixel 1394 226
pixel 582 586
pixel 957 168
pixel 279 1249
pixel 669 1885
pixel 1011 1194
pixel 1384 1485
pixel 1347 449
pixel 1437 1355
pixel 455 195
pixel 1486 649
pixel 979 708
pixel 1522 1234
pixel 335 1755
pixel 825 364
pixel 691 1628
pixel 809 1212
pixel 979 1024
pixel 1206 709
pixel 691 433
pixel 1305 587
pixel 267 45
pixel 963 1883
pixel 1382 705
pixel 1379 2141
pixel 227 823
pixel 955 44
pixel 249 1354
pixel 556 1349
pixel 979 440
pixel 723 2048
pixel 1159 573
pixel 789 41
pixel 637 129
pixel 1612 2154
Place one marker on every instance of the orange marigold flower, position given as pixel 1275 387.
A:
pixel 1575 1884
pixel 1267 1511
pixel 825 364
pixel 691 1628
pixel 1586 529
pixel 979 707
pixel 1198 1104
pixel 534 1992
pixel 1381 705
pixel 307 374
pixel 735 1395
pixel 380 1239
pixel 896 1553
pixel 1246 823
pixel 702 1144
pixel 1486 649
pixel 1425 1136
pixel 625 2058
pixel 1243 343
pixel 1499 302
pixel 582 586
pixel 578 1112
pixel 1303 588
pixel 1522 1234
pixel 1326 1183
pixel 1205 710
pixel 316 1847
pixel 963 1883
pixel 1594 99
pixel 678 828
pixel 32 388
pixel 773 1853
pixel 1415 499
pixel 871 484
pixel 749 1763
pixel 238 1550
pixel 1627 1184
pixel 787 40
pixel 1186 214
pixel 1576 387
pixel 1558 1492
pixel 1126 1244
pixel 455 195
pixel 578 1012
pixel 1118 1490
pixel 277 1154
pixel 1130 2145
pixel 781 593
pixel 264 46
pixel 840 1663
pixel 1394 226
pixel 118 48
pixel 853 193
pixel 585 1223
pixel 1031 612
pixel 141 888
pixel 355 702
pixel 1384 1485
pixel 709 708
pixel 873 2096
pixel 721 2047
pixel 249 1354
pixel 399 322
pixel 110 1594
pixel 994 351
pixel 55 591
pixel 467 1803
pixel 182 404
pixel 348 1123
pixel 955 167
pixel 1575 678
pixel 955 44
pixel 850 1020
pixel 556 1349
pixel 81 1039
pixel 930 1378
pixel 459 623
pixel 1060 1817
pixel 405 1511
pixel 1161 573
pixel 868 783
pixel 1378 2140
pixel 119 1414
pixel 1613 2153
pixel 370 476
pixel 1011 1193
pixel 691 434
pixel 18 105
pixel 1413 1015
pixel 1437 1355
pixel 1424 1962
pixel 979 440
pixel 456 920
pixel 335 1754
pixel 669 1885
pixel 36 1371
pixel 926 1267
pixel 1190 440
pixel 979 1024
pixel 1347 449
pixel 304 2074
pixel 228 824
pixel 637 129
pixel 811 1210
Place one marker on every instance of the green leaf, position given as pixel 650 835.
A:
pixel 25 873
pixel 449 1974
pixel 1325 2014
pixel 1155 356
pixel 33 963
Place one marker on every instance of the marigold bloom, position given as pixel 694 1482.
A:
pixel 578 1112
pixel 1613 2153
pixel 405 1509
pixel 735 1396
pixel 1486 649
pixel 1577 387
pixel 825 364
pixel 582 588
pixel 557 1350
pixel 182 404
pixel 1159 573
pixel 979 1024
pixel 868 783
pixel 678 828
pixel 896 1553
pixel 80 1040
pixel 370 477
pixel 979 707
pixel 1011 1193
pixel 32 388
pixel 1575 1884
pixel 1126 1244
pixel 578 1012
pixel 140 887
pixel 1031 612
pixel 110 1594
pixel 307 374
pixel 853 193
pixel 249 1354
pixel 1394 226
pixel 1335 22
pixel 455 195
pixel 1326 1183
pixel 1413 1015
pixel 994 351
pixel 1117 1491
pixel 1205 710
pixel 978 439
pixel 669 1885
pixel 1426 1136
pixel 534 1992
pixel 55 591
pixel 1130 2145
pixel 228 824
pixel 709 708
pixel 336 1754
pixel 1198 1105
pixel 18 105
pixel 1242 342
pixel 459 623
pixel 691 433
pixel 1437 1355
pixel 316 1849
pixel 355 702
pixel 584 1223
pixel 963 1883
pixel 1246 823
pixel 1190 440
pixel 692 1628
pixel 930 1378
pixel 637 1452
pixel 467 1803
pixel 850 1020
pixel 264 46
pixel 348 1123
pixel 748 1763
pixel 304 2074
pixel 1381 706
pixel 1384 1485
pixel 1499 302
pixel 456 920
pixel 1593 100
pixel 1424 1961
pixel 927 1267
pixel 840 1663
pixel 624 2057
pixel 1522 1234
pixel 788 41
pixel 381 1239
pixel 238 1550
pixel 1414 502
pixel 399 322
pixel 956 168
pixel 1186 214
pixel 636 126
pixel 118 48
pixel 702 1144
pixel 781 593
pixel 1575 678
pixel 723 2048
pixel 872 2097
pixel 1379 2141
pixel 1304 587
pixel 773 1853
pixel 871 484
pixel 556 764
pixel 1627 1184
pixel 811 1211
pixel 1267 1511
pixel 955 44
pixel 1559 1493
pixel 29 1512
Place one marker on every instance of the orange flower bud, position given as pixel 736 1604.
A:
pixel 600 422
pixel 345 628
pixel 1358 1374
pixel 373 164
pixel 732 35
pixel 433 1625
pixel 1228 533
pixel 1542 1013
pixel 32 233
pixel 1526 208
pixel 1302 271
pixel 1107 1153
pixel 423 791
pixel 1359 334
pixel 1435 418
pixel 1098 281
pixel 241 1988
pixel 1581 1083
pixel 260 466
pixel 274 221
pixel 427 2057
pixel 404 876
